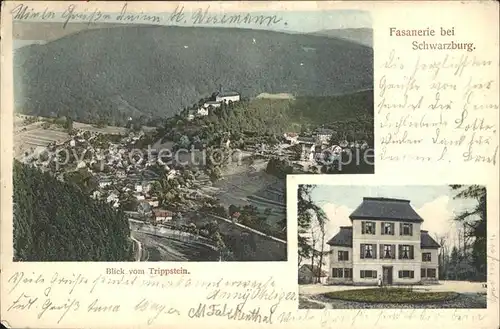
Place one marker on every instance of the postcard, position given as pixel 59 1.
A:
pixel 250 164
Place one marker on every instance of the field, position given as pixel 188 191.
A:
pixel 35 136
pixel 31 136
pixel 242 185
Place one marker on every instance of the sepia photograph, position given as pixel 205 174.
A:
pixel 365 247
pixel 140 142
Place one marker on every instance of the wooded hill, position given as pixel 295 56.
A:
pixel 57 221
pixel 113 73
pixel 350 115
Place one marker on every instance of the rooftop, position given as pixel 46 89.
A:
pixel 314 270
pixel 427 242
pixel 386 208
pixel 228 94
pixel 344 239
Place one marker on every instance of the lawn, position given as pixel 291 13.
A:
pixel 390 295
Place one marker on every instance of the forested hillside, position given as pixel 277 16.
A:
pixel 113 73
pixel 56 221
pixel 350 115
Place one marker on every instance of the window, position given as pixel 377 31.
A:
pixel 431 273
pixel 406 229
pixel 388 251
pixel 343 255
pixel 426 257
pixel 337 272
pixel 387 228
pixel 348 273
pixel 405 251
pixel 406 274
pixel 368 251
pixel 368 274
pixel 367 227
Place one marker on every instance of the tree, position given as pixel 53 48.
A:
pixel 474 226
pixel 68 124
pixel 310 218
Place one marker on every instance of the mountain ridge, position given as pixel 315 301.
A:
pixel 169 68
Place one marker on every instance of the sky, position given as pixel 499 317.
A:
pixel 435 204
pixel 293 22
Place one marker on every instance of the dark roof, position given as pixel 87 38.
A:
pixel 316 270
pixel 426 241
pixel 386 208
pixel 228 94
pixel 306 139
pixel 343 238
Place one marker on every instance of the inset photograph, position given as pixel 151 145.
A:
pixel 183 154
pixel 392 246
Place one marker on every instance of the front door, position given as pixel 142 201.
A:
pixel 387 275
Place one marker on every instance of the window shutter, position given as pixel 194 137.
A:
pixel 362 251
pixel 393 251
pixel 374 247
pixel 422 273
pixel 362 227
pixel 374 225
pixel 392 228
pixel 400 274
pixel 346 254
pixel 382 232
pixel 382 253
pixel 411 229
pixel 362 274
pixel 400 228
pixel 412 275
pixel 400 251
pixel 411 252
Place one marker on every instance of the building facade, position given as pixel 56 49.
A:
pixel 385 241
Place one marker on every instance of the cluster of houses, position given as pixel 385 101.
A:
pixel 315 146
pixel 216 102
pixel 111 165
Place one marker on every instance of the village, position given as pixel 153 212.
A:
pixel 164 192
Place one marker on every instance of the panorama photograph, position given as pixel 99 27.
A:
pixel 136 142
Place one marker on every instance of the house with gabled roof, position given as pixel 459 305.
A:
pixel 308 274
pixel 385 241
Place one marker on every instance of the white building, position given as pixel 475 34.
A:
pixel 324 135
pixel 202 111
pixel 226 97
pixel 291 137
pixel 385 241
pixel 162 216
pixel 214 104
